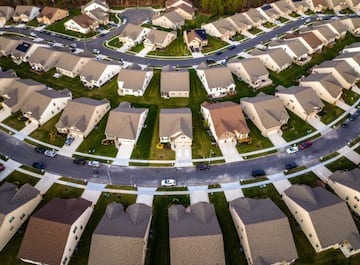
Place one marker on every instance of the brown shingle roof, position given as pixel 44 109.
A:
pixel 84 20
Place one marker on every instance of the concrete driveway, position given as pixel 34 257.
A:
pixel 28 129
pixel 229 151
pixel 183 156
pixel 69 150
pixel 232 191
pixel 4 113
pixel 276 139
pixel 198 194
pixel 343 105
pixel 123 155
pixel 318 125
pixel 145 195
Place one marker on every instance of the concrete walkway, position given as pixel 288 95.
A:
pixel 229 151
pixel 93 191
pixel 350 154
pixel 29 128
pixel 322 172
pixel 123 155
pixel 144 52
pixel 4 113
pixel 280 182
pixel 276 139
pixel 232 191
pixel 318 125
pixel 183 156
pixel 145 195
pixel 69 150
pixel 198 194
pixel 46 182
pixel 343 105
pixel 10 166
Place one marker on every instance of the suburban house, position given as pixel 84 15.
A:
pixel 121 235
pixel 6 79
pixel 195 235
pixel 324 33
pixel 342 71
pixel 158 39
pixel 70 64
pixel 352 58
pixel 275 60
pixel 226 121
pixel 25 50
pixel 174 83
pixel 294 48
pixel 251 71
pixel 6 12
pixel 352 25
pixel 195 39
pixel 175 127
pixel 353 47
pixel 221 28
pixel 134 80
pixel 302 101
pixel 266 112
pixel 56 228
pixel 337 27
pixel 171 20
pixel 81 115
pixel 81 23
pixel 133 34
pixel 44 59
pixel 182 7
pixel 96 73
pixel 264 231
pixel 97 10
pixel 42 105
pixel 217 81
pixel 50 15
pixel 25 13
pixel 7 45
pixel 318 5
pixel 324 218
pixel 255 17
pixel 241 22
pixel 299 6
pixel 270 13
pixel 283 7
pixel 17 203
pixel 353 4
pixel 125 123
pixel 337 5
pixel 18 92
pixel 94 4
pixel 346 185
pixel 324 85
pixel 309 39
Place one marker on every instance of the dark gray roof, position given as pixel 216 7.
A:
pixel 350 179
pixel 197 220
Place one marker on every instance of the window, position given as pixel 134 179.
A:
pixel 347 198
pixel 310 235
pixel 11 228
pixel 74 231
pixel 22 216
pixel 76 238
pixel 11 219
pixel 81 227
pixel 357 198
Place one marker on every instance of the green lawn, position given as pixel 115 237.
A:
pixel 255 30
pixel 309 179
pixel 295 128
pixel 253 180
pixel 350 97
pixel 332 113
pixel 176 48
pixel 341 164
pixel 158 245
pixel 114 42
pixel 19 178
pixel 214 44
pixel 14 122
pixel 269 25
pixel 199 20
pixel 137 48
pixel 283 19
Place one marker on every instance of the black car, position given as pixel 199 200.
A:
pixel 231 47
pixel 38 165
pixel 79 161
pixel 290 165
pixel 210 61
pixel 40 149
pixel 345 124
pixel 258 173
pixel 353 117
pixel 202 167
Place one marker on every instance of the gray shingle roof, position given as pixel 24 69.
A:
pixel 174 121
pixel 172 80
pixel 347 178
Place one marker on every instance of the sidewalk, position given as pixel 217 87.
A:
pixel 10 166
pixel 46 182
pixel 350 154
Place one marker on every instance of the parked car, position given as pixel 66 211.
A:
pixel 40 149
pixel 202 167
pixel 305 145
pixel 210 61
pixel 69 140
pixel 33 34
pixel 94 163
pixel 292 149
pixel 96 51
pixel 353 117
pixel 79 161
pixel 290 165
pixel 258 173
pixel 345 124
pixel 168 182
pixel 38 165
pixel 231 47
pixel 2 167
pixel 50 153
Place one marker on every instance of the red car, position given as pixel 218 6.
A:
pixel 305 145
pixel 2 167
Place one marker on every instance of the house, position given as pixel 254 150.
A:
pixel 266 112
pixel 174 83
pixel 18 92
pixel 299 6
pixel 251 71
pixel 346 185
pixel 308 39
pixel 6 12
pixel 17 203
pixel 221 28
pixel 323 33
pixel 195 231
pixel 217 80
pixel 81 115
pixel 195 39
pixel 353 4
pixel 158 39
pixel 24 50
pixel 7 45
pixel 96 73
pixel 81 23
pixel 255 17
pixel 337 27
pixel 175 3
pixel 264 231
pixel 42 105
pixel 175 127
pixel 183 7
pixel 353 47
pixel 283 7
pixel 294 48
pixel 100 14
pixel 70 64
pixel 133 34
pixel 125 123
pixel 50 15
pixel 325 86
pixel 134 80
pixel 226 121
pixel 240 22
pixel 352 58
pixel 25 13
pixel 342 71
pixel 94 4
pixel 352 25
pixel 337 5
pixel 275 60
pixel 324 218
pixel 171 20
pixel 270 13
pixel 56 228
pixel 121 235
pixel 6 79
pixel 318 5
pixel 44 59
pixel 302 101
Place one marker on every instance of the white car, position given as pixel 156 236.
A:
pixel 168 182
pixel 94 163
pixel 50 153
pixel 292 150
